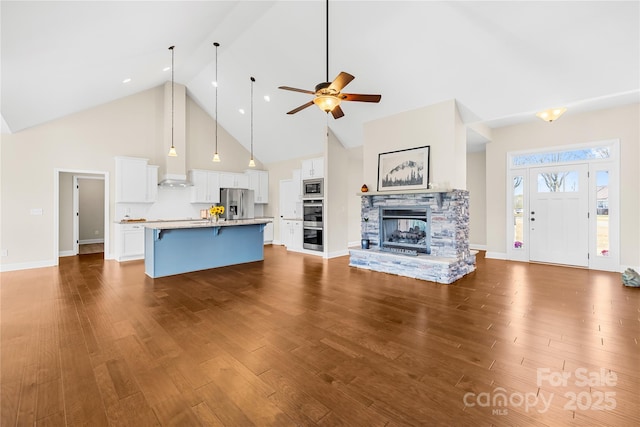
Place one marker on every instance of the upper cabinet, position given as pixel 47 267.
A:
pixel 313 168
pixel 206 186
pixel 136 180
pixel 233 180
pixel 259 183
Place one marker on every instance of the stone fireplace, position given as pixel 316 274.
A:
pixel 424 235
pixel 405 229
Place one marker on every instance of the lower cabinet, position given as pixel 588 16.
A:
pixel 268 233
pixel 129 242
pixel 291 234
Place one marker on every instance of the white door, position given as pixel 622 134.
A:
pixel 558 215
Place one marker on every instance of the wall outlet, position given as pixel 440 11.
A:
pixel 96 232
pixel 5 252
pixel 36 211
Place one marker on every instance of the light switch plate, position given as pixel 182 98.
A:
pixel 36 211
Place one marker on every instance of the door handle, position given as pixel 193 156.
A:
pixel 533 219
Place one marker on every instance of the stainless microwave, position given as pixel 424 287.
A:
pixel 313 188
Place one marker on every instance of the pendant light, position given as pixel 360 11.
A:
pixel 252 164
pixel 172 150
pixel 216 156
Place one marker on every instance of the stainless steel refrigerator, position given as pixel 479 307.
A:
pixel 237 202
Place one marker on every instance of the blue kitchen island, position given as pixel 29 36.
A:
pixel 183 246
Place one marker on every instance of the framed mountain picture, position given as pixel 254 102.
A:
pixel 404 169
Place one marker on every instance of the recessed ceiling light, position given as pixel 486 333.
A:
pixel 215 84
pixel 266 98
pixel 166 68
pixel 127 80
pixel 241 111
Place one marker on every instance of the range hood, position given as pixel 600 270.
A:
pixel 174 169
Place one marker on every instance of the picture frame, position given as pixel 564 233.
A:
pixel 406 169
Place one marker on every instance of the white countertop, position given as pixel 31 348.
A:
pixel 203 223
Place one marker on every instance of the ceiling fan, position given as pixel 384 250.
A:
pixel 328 95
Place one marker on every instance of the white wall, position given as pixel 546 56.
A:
pixel 616 123
pixel 65 208
pixel 91 209
pixel 89 140
pixel 438 126
pixel 354 184
pixel 476 184
pixel 337 195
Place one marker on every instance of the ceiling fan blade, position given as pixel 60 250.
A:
pixel 341 81
pixel 337 112
pixel 296 89
pixel 361 97
pixel 302 107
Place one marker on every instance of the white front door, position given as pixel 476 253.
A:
pixel 558 214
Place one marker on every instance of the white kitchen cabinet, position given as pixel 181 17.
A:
pixel 296 177
pixel 152 183
pixel 206 186
pixel 129 242
pixel 233 180
pixel 132 180
pixel 259 183
pixel 291 234
pixel 313 168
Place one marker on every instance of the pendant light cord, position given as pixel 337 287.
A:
pixel 171 48
pixel 252 81
pixel 216 44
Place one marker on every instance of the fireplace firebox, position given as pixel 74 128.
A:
pixel 405 229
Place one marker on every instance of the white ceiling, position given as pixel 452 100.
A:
pixel 502 61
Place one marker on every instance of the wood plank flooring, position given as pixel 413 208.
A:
pixel 298 340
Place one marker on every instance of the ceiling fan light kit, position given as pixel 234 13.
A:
pixel 328 95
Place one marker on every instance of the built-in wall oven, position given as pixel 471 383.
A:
pixel 313 224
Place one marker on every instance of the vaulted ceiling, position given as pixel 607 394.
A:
pixel 502 61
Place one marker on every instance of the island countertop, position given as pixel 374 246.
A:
pixel 204 223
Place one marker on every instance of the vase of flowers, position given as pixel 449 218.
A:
pixel 215 212
pixel 364 242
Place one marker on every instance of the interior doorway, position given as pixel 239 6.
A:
pixel 70 229
pixel 89 214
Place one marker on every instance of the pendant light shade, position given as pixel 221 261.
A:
pixel 252 163
pixel 216 156
pixel 172 150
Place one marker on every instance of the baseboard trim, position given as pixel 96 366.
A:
pixel 336 254
pixel 496 255
pixel 90 241
pixel 477 247
pixel 27 265
pixel 624 267
pixel 66 253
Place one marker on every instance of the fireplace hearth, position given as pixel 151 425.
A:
pixel 424 235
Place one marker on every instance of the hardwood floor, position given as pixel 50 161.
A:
pixel 298 340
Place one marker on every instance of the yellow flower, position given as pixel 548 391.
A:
pixel 216 210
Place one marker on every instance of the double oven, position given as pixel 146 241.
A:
pixel 313 216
